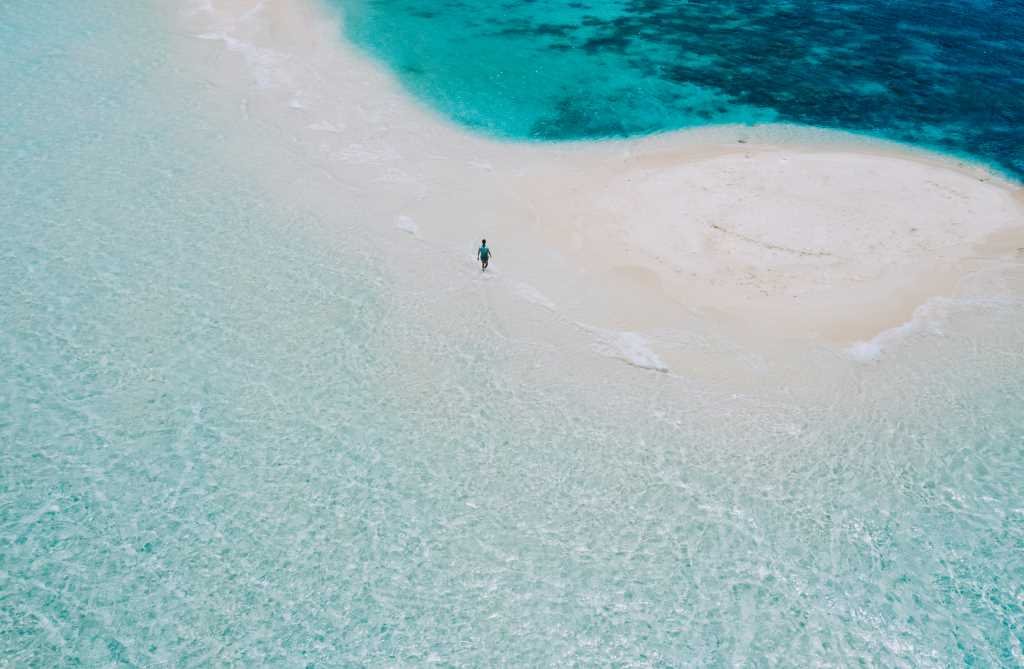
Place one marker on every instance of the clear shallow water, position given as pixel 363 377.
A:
pixel 227 438
pixel 948 75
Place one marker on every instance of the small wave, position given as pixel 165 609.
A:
pixel 630 347
pixel 531 294
pixel 871 350
pixel 407 224
pixel 927 318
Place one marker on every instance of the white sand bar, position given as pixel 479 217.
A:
pixel 776 230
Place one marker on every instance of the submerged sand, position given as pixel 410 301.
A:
pixel 773 231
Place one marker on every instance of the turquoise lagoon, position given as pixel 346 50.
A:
pixel 948 75
pixel 228 439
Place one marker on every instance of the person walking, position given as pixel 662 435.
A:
pixel 483 254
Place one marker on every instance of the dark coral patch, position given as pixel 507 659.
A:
pixel 938 73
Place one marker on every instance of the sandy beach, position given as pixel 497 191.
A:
pixel 736 396
pixel 772 231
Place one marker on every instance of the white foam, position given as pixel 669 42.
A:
pixel 927 318
pixel 217 36
pixel 531 294
pixel 630 347
pixel 407 224
pixel 870 350
pixel 637 351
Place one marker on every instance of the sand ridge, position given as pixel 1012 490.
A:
pixel 789 232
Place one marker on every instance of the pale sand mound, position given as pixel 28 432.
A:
pixel 796 241
pixel 817 235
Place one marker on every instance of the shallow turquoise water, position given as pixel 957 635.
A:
pixel 229 439
pixel 948 75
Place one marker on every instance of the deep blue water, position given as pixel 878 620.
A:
pixel 947 75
